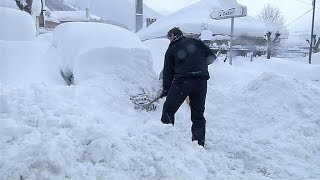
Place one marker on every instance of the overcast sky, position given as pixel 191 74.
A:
pixel 291 9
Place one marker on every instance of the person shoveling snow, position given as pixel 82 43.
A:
pixel 185 73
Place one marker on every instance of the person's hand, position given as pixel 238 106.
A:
pixel 164 93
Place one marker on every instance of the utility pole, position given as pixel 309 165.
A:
pixel 139 15
pixel 312 27
pixel 231 41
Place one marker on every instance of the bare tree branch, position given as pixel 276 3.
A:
pixel 271 13
pixel 19 4
pixel 27 8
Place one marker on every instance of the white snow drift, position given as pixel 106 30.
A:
pixel 261 124
pixel 16 25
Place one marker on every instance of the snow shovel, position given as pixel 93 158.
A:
pixel 148 106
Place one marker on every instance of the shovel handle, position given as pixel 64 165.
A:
pixel 148 104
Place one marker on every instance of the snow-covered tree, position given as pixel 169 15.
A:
pixel 271 13
pixel 316 44
pixel 24 5
pixel 271 43
pixel 33 7
pixel 273 20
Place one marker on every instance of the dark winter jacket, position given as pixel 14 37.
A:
pixel 186 57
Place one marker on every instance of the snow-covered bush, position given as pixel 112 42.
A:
pixel 16 25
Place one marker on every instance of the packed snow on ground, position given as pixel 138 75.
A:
pixel 262 120
pixel 25 63
pixel 16 25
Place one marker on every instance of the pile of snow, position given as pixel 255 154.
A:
pixel 260 125
pixel 26 62
pixel 121 67
pixel 158 48
pixel 8 4
pixel 191 22
pixel 305 60
pixel 270 119
pixel 16 25
pixel 24 57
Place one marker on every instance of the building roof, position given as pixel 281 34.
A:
pixel 192 18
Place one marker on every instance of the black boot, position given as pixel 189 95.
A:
pixel 200 142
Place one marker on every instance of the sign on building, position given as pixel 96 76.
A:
pixel 150 21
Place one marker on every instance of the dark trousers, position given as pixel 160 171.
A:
pixel 196 89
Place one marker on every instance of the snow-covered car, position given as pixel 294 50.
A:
pixel 89 50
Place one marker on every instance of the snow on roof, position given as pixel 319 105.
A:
pixel 191 18
pixel 121 11
pixel 72 15
pixel 150 13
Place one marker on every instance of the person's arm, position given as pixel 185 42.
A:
pixel 168 71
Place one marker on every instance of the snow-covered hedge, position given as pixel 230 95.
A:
pixel 16 25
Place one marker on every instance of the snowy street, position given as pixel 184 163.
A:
pixel 259 125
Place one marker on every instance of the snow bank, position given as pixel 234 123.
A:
pixel 270 119
pixel 286 67
pixel 316 57
pixel 16 25
pixel 8 4
pixel 129 67
pixel 74 39
pixel 24 62
pixel 262 123
pixel 158 48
